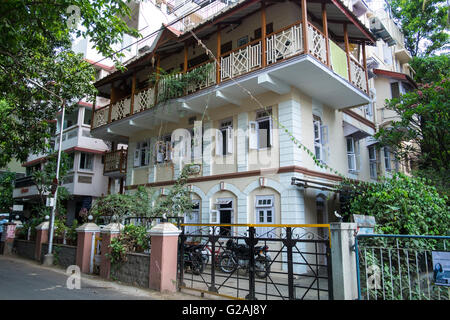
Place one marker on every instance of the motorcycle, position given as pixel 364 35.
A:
pixel 193 258
pixel 238 256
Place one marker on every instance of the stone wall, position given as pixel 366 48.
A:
pixel 64 255
pixel 24 248
pixel 134 271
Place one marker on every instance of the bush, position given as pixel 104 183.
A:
pixel 403 205
pixel 131 239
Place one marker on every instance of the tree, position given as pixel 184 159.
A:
pixel 38 68
pixel 403 205
pixel 45 183
pixel 6 190
pixel 140 203
pixel 423 23
pixel 422 133
pixel 423 129
pixel 431 68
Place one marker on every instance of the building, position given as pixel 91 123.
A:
pixel 90 177
pixel 390 76
pixel 297 61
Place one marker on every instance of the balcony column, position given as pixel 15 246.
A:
pixel 347 49
pixel 263 33
pixel 94 104
pixel 133 90
pixel 158 61
pixel 185 63
pixel 305 26
pixel 365 65
pixel 325 31
pixel 112 99
pixel 218 63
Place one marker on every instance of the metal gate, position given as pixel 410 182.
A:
pixel 400 267
pixel 300 261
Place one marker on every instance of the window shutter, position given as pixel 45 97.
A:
pixel 147 155
pixel 168 151
pixel 317 136
pixel 324 134
pixel 219 143
pixel 271 132
pixel 357 156
pixel 137 155
pixel 159 146
pixel 198 140
pixel 253 135
pixel 230 140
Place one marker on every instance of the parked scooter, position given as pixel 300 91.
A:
pixel 238 256
pixel 193 258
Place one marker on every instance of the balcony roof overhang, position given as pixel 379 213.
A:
pixel 302 72
pixel 169 40
pixel 395 75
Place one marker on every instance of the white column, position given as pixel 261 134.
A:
pixel 290 117
pixel 242 145
pixel 151 162
pixel 207 148
pixel 130 163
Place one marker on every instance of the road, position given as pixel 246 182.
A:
pixel 24 280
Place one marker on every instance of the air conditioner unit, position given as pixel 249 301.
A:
pixel 359 8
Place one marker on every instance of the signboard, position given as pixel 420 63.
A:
pixel 50 202
pixel 441 267
pixel 18 207
pixel 10 231
pixel 366 224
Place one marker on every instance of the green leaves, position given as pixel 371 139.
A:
pixel 403 205
pixel 6 190
pixel 422 132
pixel 35 47
pixel 423 23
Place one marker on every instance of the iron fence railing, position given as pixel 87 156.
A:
pixel 299 264
pixel 399 267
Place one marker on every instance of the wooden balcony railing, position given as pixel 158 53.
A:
pixel 357 74
pixel 241 60
pixel 317 43
pixel 115 162
pixel 280 45
pixel 284 43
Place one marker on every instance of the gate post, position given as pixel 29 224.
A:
pixel 344 261
pixel 8 235
pixel 251 263
pixel 109 232
pixel 85 246
pixel 163 257
pixel 41 237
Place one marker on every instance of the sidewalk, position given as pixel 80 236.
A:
pixel 113 288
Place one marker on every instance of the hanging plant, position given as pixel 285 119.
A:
pixel 175 84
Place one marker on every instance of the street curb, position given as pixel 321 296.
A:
pixel 92 280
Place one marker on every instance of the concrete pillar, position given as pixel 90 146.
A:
pixel 8 235
pixel 41 237
pixel 85 246
pixel 163 257
pixel 343 259
pixel 109 232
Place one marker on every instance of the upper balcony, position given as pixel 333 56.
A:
pixel 115 163
pixel 312 54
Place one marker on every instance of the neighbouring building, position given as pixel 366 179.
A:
pixel 90 176
pixel 390 76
